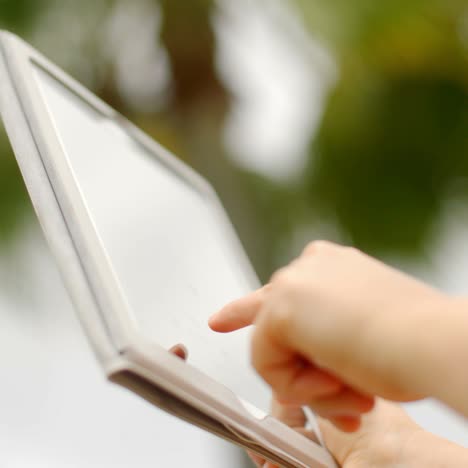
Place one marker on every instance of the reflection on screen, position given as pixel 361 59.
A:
pixel 165 244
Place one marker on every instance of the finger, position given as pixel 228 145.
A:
pixel 300 386
pixel 257 459
pixel 180 351
pixel 238 314
pixel 292 379
pixel 294 417
pixel 291 415
pixel 346 423
pixel 346 403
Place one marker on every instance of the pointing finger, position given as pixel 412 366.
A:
pixel 238 314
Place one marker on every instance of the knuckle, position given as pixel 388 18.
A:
pixel 352 250
pixel 280 320
pixel 318 246
pixel 256 299
pixel 272 327
pixel 281 276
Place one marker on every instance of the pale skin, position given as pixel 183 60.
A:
pixel 339 332
pixel 388 438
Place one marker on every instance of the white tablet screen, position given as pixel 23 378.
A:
pixel 165 242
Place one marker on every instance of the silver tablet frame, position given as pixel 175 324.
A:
pixel 127 357
pixel 101 278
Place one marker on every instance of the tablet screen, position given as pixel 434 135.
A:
pixel 165 241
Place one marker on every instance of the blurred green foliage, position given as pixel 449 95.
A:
pixel 385 173
pixel 391 147
pixel 394 138
pixel 13 199
pixel 17 15
pixel 20 15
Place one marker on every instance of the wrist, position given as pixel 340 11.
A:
pixel 446 346
pixel 386 438
pixel 433 349
pixel 426 449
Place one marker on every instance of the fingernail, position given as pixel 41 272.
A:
pixel 217 320
pixel 213 317
pixel 180 351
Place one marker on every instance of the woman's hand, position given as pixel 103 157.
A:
pixel 388 438
pixel 336 327
pixel 379 443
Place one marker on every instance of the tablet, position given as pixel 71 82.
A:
pixel 80 159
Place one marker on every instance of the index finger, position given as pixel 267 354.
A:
pixel 238 314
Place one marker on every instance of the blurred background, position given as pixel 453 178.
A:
pixel 312 119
